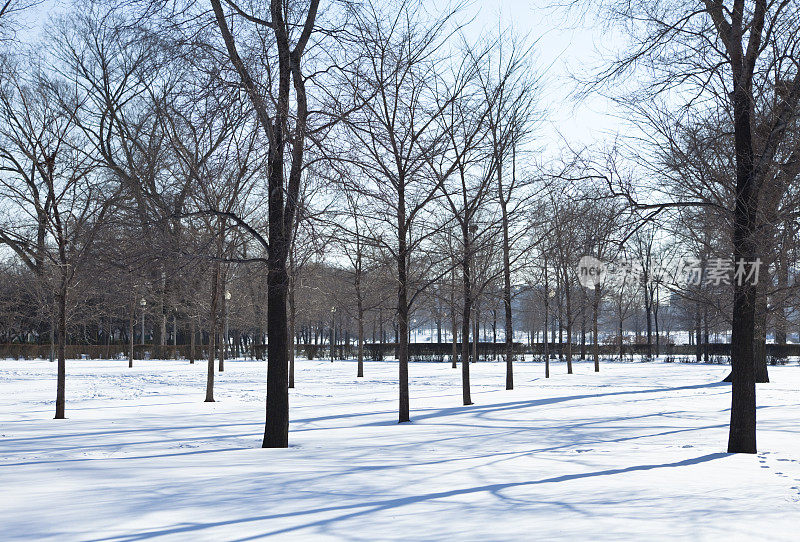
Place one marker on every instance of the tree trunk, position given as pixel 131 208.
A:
pixel 276 431
pixel 560 296
pixel 706 337
pixel 509 321
pixel 698 334
pixel 475 334
pixel 655 321
pixel 504 199
pixel 595 338
pixel 453 320
pixel 292 323
pixel 546 322
pixel 648 310
pixel 212 332
pixel 360 308
pixel 162 312
pixel 360 373
pixel 742 436
pixel 782 270
pixel 276 428
pixel 568 310
pixel 53 331
pixel 130 327
pixel 467 308
pixel 192 339
pixel 402 338
pixel 583 324
pixel 61 378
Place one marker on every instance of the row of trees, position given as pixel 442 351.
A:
pixel 221 166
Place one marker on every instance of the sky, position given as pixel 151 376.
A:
pixel 566 42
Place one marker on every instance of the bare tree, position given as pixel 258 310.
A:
pixel 727 51
pixel 49 176
pixel 286 127
pixel 395 135
pixel 466 195
pixel 510 90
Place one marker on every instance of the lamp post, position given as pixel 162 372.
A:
pixel 225 338
pixel 143 304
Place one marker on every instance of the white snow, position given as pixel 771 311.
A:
pixel 632 453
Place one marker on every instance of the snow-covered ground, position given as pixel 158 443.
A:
pixel 632 453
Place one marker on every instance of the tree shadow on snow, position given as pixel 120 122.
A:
pixel 366 508
pixel 480 410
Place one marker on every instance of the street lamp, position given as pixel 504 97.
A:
pixel 226 332
pixel 143 304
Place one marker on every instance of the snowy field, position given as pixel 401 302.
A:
pixel 632 453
